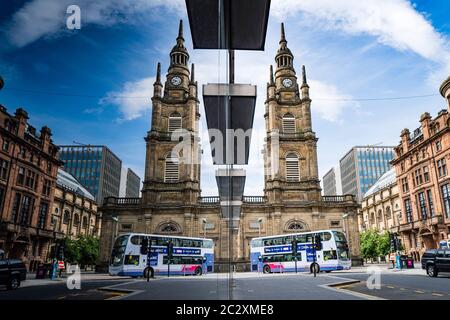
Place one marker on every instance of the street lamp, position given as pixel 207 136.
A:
pixel 204 227
pixel 259 226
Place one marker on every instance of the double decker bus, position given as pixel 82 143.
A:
pixel 274 253
pixel 191 256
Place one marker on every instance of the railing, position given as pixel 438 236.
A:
pixel 254 199
pixel 343 198
pixel 121 201
pixel 209 200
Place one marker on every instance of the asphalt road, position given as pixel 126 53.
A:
pixel 396 286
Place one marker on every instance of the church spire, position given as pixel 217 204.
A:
pixel 284 57
pixel 158 73
pixel 192 73
pixel 179 55
pixel 304 82
pixel 272 80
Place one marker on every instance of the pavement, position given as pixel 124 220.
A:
pixel 354 284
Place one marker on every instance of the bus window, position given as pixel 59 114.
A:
pixel 326 236
pixel 197 243
pixel 132 260
pixel 121 241
pixel 257 243
pixel 278 241
pixel 287 240
pixel 339 236
pixel 268 242
pixel 329 255
pixel 301 238
pixel 207 244
pixel 136 240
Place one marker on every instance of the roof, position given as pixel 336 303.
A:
pixel 66 180
pixel 387 179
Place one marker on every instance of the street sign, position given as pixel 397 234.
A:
pixel 61 265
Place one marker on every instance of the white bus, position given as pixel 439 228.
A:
pixel 191 256
pixel 274 253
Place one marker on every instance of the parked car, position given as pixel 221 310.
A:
pixel 436 261
pixel 12 272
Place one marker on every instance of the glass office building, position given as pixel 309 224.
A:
pixel 96 167
pixel 362 166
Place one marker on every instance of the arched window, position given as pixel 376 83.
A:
pixel 76 219
pixel 292 168
pixel 289 123
pixel 169 227
pixel 171 173
pixel 84 223
pixel 372 217
pixel 175 121
pixel 388 213
pixel 66 217
pixel 380 215
pixel 295 225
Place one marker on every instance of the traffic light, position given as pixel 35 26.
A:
pixel 317 242
pixel 170 249
pixel 294 247
pixel 61 251
pixel 144 245
pixel 393 241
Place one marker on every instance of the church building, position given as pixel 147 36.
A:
pixel 172 202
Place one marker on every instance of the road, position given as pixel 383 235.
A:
pixel 246 286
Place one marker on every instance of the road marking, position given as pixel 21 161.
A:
pixel 390 287
pixel 250 290
pixel 437 294
pixel 418 291
pixel 403 289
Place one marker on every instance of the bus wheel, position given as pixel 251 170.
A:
pixel 148 272
pixel 328 271
pixel 266 269
pixel 315 266
pixel 198 271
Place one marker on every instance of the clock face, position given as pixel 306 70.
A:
pixel 287 83
pixel 176 81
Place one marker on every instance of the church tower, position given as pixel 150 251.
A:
pixel 290 151
pixel 172 170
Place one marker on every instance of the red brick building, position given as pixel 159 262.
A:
pixel 422 164
pixel 28 170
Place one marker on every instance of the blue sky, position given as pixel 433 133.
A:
pixel 75 81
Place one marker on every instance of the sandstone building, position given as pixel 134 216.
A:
pixel 171 201
pixel 421 165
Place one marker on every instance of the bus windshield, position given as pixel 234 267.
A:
pixel 118 251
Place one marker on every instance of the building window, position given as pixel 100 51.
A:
pixel 22 152
pixel 335 223
pixel 4 169
pixel 402 167
pixel 388 213
pixel 126 227
pixel 15 208
pixel 438 145
pixel 46 187
pixel 405 186
pixel 43 209
pixel 175 122
pixel 84 224
pixel 426 174
pixel 25 212
pixel 66 217
pixel 292 169
pixel 430 203
pixel 171 173
pixel 31 180
pixel 422 205
pixel 21 176
pixel 5 145
pixel 418 177
pixel 446 198
pixel 76 219
pixel 442 167
pixel 169 227
pixel 408 210
pixel 289 123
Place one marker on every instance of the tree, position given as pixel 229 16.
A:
pixel 83 251
pixel 384 244
pixel 369 244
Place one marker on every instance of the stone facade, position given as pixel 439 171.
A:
pixel 381 208
pixel 28 169
pixel 171 200
pixel 74 213
pixel 421 165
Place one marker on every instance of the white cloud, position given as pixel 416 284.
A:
pixel 133 99
pixel 47 18
pixel 393 22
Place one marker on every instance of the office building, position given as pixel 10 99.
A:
pixel 97 168
pixel 362 166
pixel 331 182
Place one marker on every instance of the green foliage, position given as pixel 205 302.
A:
pixel 84 250
pixel 374 244
pixel 384 244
